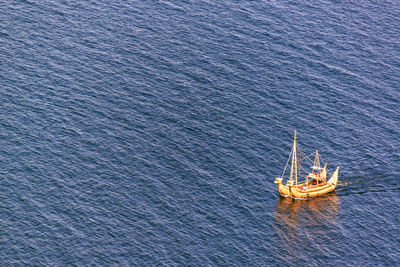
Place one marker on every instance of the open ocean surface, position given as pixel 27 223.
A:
pixel 149 133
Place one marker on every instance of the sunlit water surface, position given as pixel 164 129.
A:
pixel 149 133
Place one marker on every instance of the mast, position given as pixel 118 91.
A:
pixel 316 162
pixel 323 174
pixel 293 169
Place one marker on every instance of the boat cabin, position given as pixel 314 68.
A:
pixel 315 176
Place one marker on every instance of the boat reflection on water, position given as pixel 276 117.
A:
pixel 317 210
pixel 303 224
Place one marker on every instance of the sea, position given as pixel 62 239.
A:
pixel 149 133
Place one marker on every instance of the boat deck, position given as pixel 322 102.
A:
pixel 305 187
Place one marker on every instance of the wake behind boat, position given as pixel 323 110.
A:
pixel 313 185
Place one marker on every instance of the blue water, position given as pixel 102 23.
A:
pixel 149 133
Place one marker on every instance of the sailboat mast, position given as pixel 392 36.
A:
pixel 316 162
pixel 293 169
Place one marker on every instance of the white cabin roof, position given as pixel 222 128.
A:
pixel 316 168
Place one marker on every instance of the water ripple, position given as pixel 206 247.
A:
pixel 149 133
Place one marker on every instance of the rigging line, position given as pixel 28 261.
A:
pixel 303 157
pixel 287 163
pixel 304 170
pixel 309 154
pixel 310 162
pixel 299 167
pixel 308 157
pixel 301 152
pixel 301 160
pixel 307 161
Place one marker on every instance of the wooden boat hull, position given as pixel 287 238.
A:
pixel 303 192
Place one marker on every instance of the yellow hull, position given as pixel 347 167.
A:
pixel 301 190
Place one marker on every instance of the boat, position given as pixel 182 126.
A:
pixel 313 184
